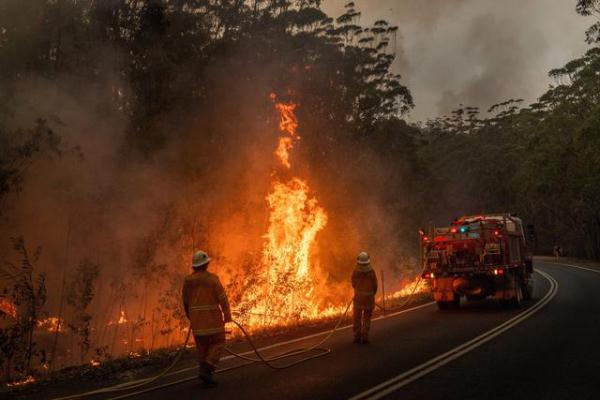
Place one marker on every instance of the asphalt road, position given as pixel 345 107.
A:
pixel 548 349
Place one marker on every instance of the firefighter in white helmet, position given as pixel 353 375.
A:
pixel 364 282
pixel 207 308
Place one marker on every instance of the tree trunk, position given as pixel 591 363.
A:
pixel 62 292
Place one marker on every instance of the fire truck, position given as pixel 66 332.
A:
pixel 478 257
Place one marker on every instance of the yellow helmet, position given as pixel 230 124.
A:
pixel 199 259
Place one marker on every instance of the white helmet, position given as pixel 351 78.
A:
pixel 363 258
pixel 199 259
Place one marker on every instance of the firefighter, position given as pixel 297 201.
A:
pixel 558 252
pixel 364 282
pixel 207 308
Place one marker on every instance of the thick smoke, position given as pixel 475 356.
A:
pixel 195 176
pixel 476 52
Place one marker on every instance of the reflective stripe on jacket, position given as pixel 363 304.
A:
pixel 205 303
pixel 365 287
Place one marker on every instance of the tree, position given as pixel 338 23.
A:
pixel 17 152
pixel 80 293
pixel 590 8
pixel 28 294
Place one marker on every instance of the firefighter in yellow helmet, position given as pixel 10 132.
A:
pixel 364 282
pixel 207 308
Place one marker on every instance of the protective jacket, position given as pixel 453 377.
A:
pixel 364 282
pixel 205 303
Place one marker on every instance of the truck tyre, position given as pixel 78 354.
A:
pixel 516 301
pixel 456 302
pixel 447 305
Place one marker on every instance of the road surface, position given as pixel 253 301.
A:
pixel 548 349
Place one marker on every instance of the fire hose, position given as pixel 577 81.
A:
pixel 321 351
pixel 260 358
pixel 133 385
pixel 268 361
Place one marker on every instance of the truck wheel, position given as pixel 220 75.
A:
pixel 447 305
pixel 516 301
pixel 456 302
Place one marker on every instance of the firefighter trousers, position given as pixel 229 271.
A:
pixel 362 323
pixel 209 349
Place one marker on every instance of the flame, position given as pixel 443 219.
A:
pixel 418 285
pixel 134 354
pixel 288 124
pixel 28 379
pixel 51 324
pixel 285 291
pixel 8 308
pixel 95 363
pixel 122 319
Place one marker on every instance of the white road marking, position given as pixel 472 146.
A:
pixel 392 385
pixel 312 336
pixel 272 346
pixel 573 266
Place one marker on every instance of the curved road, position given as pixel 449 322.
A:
pixel 549 350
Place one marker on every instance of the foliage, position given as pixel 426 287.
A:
pixel 17 152
pixel 540 161
pixel 590 8
pixel 80 293
pixel 28 294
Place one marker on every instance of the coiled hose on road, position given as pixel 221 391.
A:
pixel 268 361
pixel 295 352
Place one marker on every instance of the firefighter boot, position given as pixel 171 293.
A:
pixel 205 375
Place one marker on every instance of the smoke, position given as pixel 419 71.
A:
pixel 138 201
pixel 476 52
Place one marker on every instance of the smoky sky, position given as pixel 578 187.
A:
pixel 476 52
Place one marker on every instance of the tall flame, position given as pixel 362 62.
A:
pixel 284 293
pixel 288 124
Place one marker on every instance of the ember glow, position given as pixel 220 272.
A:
pixel 28 379
pixel 285 293
pixel 51 324
pixel 8 308
pixel 121 320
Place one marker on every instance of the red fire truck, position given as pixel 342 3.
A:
pixel 477 257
